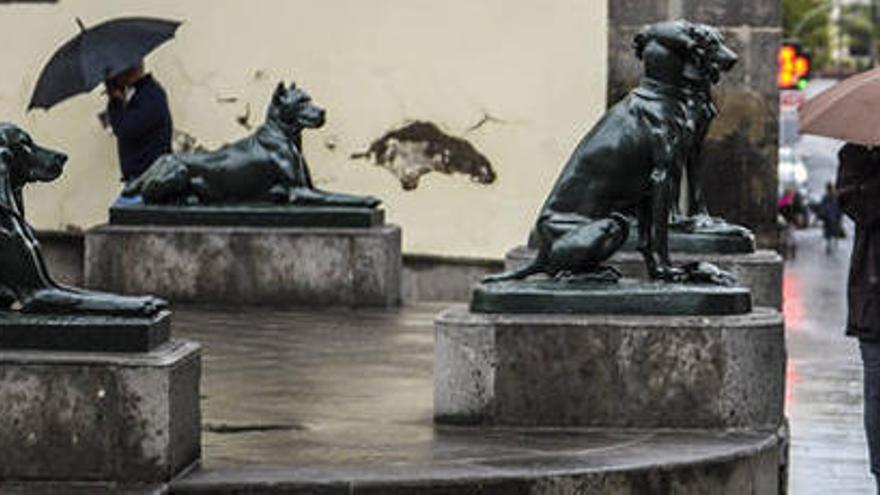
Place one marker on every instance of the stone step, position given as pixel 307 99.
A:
pixel 510 462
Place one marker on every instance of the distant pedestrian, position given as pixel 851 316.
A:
pixel 829 212
pixel 792 207
pixel 138 113
pixel 858 188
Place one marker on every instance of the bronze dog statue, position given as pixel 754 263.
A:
pixel 267 166
pixel 24 278
pixel 627 165
pixel 702 71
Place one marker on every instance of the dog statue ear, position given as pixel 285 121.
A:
pixel 292 85
pixel 639 43
pixel 280 91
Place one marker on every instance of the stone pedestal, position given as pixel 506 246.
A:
pixel 760 271
pixel 610 370
pixel 80 417
pixel 248 265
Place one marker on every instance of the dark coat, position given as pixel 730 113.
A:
pixel 142 127
pixel 828 210
pixel 858 185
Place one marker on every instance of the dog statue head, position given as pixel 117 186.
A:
pixel 26 161
pixel 701 49
pixel 292 110
pixel 710 56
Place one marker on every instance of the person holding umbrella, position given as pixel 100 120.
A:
pixel 847 111
pixel 138 113
pixel 858 186
pixel 112 53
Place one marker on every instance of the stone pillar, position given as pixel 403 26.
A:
pixel 740 153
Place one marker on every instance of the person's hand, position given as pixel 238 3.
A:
pixel 115 92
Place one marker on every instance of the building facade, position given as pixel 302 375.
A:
pixel 515 82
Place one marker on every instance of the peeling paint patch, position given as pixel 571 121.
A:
pixel 419 148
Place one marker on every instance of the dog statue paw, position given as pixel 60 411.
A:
pixel 701 272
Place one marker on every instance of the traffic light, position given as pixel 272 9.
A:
pixel 794 66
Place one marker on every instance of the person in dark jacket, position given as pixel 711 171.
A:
pixel 858 193
pixel 138 113
pixel 828 210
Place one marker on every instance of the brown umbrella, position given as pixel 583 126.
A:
pixel 849 110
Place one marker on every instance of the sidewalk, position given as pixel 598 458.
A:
pixel 824 401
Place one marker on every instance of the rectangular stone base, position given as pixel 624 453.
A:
pixel 87 333
pixel 81 417
pixel 248 265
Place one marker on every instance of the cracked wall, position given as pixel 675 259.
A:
pixel 521 82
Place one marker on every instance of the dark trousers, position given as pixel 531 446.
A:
pixel 871 364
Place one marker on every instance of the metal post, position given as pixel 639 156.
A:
pixel 873 45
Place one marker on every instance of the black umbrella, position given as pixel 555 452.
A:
pixel 97 54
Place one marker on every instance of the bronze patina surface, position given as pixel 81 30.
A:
pixel 25 282
pixel 629 297
pixel 251 215
pixel 629 166
pixel 85 333
pixel 267 166
pixel 717 238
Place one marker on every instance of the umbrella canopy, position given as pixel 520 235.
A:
pixel 97 54
pixel 849 110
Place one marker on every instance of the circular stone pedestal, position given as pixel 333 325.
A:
pixel 760 271
pixel 610 370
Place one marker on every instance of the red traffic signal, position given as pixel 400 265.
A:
pixel 794 66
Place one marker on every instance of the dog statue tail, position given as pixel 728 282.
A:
pixel 534 267
pixel 518 274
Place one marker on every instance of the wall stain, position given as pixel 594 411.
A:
pixel 419 148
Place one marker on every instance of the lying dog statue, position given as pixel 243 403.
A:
pixel 627 165
pixel 24 279
pixel 267 166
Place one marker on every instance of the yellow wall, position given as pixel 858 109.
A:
pixel 539 66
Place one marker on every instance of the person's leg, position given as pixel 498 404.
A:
pixel 871 365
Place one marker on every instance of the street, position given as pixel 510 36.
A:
pixel 824 400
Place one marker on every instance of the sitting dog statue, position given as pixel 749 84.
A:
pixel 24 279
pixel 626 166
pixel 713 58
pixel 267 166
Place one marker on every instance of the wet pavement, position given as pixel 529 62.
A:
pixel 824 402
pixel 306 398
pixel 294 387
pixel 324 388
